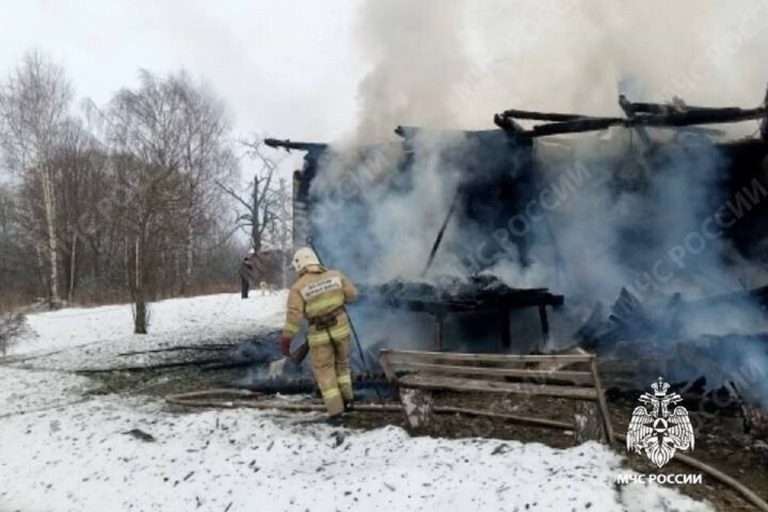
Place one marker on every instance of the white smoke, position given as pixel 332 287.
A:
pixel 570 55
pixel 624 208
pixel 419 65
pixel 453 64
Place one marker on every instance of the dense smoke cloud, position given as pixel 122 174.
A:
pixel 603 211
pixel 442 65
pixel 571 55
pixel 419 64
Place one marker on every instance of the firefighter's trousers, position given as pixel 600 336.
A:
pixel 330 364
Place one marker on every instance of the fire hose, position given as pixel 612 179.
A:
pixel 203 399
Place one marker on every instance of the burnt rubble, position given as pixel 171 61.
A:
pixel 656 324
pixel 500 175
pixel 638 341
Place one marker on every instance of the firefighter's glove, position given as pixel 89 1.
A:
pixel 285 345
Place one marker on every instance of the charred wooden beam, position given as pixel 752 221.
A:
pixel 411 132
pixel 300 146
pixel 541 116
pixel 507 124
pixel 573 123
pixel 581 125
pixel 307 384
pixel 441 231
pixel 631 111
pixel 764 124
pixel 455 306
pixel 701 116
pixel 661 108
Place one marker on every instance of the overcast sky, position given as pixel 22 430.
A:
pixel 293 68
pixel 283 70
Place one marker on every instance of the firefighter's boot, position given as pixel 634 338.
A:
pixel 325 374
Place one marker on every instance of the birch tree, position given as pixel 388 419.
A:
pixel 206 160
pixel 34 102
pixel 80 186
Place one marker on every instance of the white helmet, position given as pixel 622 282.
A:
pixel 303 258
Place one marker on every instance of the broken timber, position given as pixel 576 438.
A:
pixel 639 115
pixel 417 374
pixel 299 146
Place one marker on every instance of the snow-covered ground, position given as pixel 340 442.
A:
pixel 91 337
pixel 62 449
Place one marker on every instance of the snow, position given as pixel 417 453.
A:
pixel 63 449
pixel 64 339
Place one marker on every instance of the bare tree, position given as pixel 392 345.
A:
pixel 18 271
pixel 145 129
pixel 33 106
pixel 125 205
pixel 281 232
pixel 258 209
pixel 263 213
pixel 82 164
pixel 206 160
pixel 169 142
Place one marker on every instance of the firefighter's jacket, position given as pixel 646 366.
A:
pixel 319 294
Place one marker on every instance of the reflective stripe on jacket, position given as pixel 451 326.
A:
pixel 317 292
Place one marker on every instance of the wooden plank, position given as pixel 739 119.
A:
pixel 447 358
pixel 458 356
pixel 387 367
pixel 602 403
pixel 571 376
pixel 464 384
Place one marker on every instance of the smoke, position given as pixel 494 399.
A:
pixel 569 55
pixel 442 65
pixel 419 65
pixel 585 215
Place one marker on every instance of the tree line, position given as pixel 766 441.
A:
pixel 134 199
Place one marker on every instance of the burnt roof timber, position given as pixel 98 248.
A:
pixel 435 306
pixel 670 120
pixel 542 116
pixel 300 146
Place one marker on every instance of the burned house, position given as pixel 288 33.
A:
pixel 483 232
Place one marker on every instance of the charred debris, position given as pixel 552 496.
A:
pixel 502 175
pixel 636 338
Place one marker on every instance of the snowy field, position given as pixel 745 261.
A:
pixel 63 450
pixel 76 338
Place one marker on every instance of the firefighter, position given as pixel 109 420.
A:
pixel 319 295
